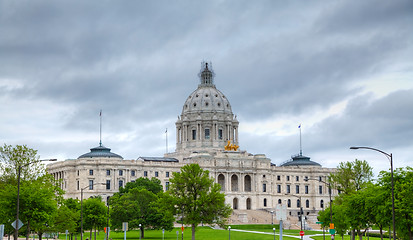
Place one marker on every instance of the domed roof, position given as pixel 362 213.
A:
pixel 300 160
pixel 206 98
pixel 100 152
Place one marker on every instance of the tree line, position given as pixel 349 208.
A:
pixel 364 203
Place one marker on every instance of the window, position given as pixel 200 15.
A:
pixel 288 188
pixel 320 189
pixel 78 185
pixel 107 184
pixel 167 174
pixel 91 172
pixel 288 178
pixel 132 173
pixel 145 173
pixel 264 187
pixel 78 172
pixel 90 184
pixel 166 186
pixel 278 178
pixel 298 203
pixel 322 203
pixel 120 172
pixel 206 133
pixel 108 172
pixel 120 183
pixel 306 189
pixel 278 188
pixel 220 133
pixel 193 134
pixel 288 203
pixel 297 178
pixel 320 179
pixel 265 202
pixel 156 174
pixel 263 176
pixel 297 188
pixel 279 201
pixel 307 203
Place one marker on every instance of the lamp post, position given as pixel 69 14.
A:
pixel 81 207
pixel 107 227
pixel 16 231
pixel 229 232
pixel 272 217
pixel 301 211
pixel 390 157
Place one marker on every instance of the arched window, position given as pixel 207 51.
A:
pixel 235 203
pixel 248 203
pixel 247 183
pixel 322 203
pixel 221 181
pixel 265 202
pixel 307 203
pixel 234 183
pixel 279 201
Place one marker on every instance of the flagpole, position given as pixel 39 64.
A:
pixel 301 147
pixel 166 133
pixel 100 129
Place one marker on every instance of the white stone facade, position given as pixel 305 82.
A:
pixel 204 127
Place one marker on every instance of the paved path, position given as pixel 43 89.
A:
pixel 306 237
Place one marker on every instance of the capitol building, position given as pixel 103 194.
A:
pixel 206 134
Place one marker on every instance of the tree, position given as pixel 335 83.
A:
pixel 139 204
pixel 351 176
pixel 38 192
pixel 94 214
pixel 152 185
pixel 68 216
pixel 194 194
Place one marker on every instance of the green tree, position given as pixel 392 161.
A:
pixel 139 204
pixel 194 193
pixel 152 185
pixel 351 176
pixel 68 216
pixel 94 214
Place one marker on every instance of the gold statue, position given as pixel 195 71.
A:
pixel 231 147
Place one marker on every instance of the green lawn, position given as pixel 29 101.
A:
pixel 202 233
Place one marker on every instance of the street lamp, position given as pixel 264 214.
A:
pixel 229 232
pixel 107 227
pixel 16 231
pixel 390 157
pixel 301 210
pixel 272 217
pixel 81 207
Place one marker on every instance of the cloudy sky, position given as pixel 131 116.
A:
pixel 342 69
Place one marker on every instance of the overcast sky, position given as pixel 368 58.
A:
pixel 342 69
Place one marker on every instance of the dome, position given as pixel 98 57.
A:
pixel 100 152
pixel 300 160
pixel 206 98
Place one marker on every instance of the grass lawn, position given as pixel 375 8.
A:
pixel 202 233
pixel 346 237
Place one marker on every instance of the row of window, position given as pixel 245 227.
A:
pixel 133 173
pixel 297 178
pixel 108 184
pixel 207 134
pixel 297 188
pixel 307 203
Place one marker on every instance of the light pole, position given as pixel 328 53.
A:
pixel 81 207
pixel 390 157
pixel 107 227
pixel 301 210
pixel 272 217
pixel 229 232
pixel 16 231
